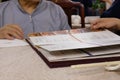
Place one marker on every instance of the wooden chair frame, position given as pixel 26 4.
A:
pixel 69 7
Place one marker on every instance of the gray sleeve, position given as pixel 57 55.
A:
pixel 2 8
pixel 63 19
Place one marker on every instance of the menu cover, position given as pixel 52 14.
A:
pixel 76 46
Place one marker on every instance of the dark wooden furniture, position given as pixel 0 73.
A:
pixel 70 7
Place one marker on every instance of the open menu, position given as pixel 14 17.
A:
pixel 76 46
pixel 74 39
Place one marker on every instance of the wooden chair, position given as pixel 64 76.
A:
pixel 69 7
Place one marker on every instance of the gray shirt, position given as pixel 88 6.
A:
pixel 46 17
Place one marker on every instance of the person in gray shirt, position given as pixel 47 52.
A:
pixel 18 18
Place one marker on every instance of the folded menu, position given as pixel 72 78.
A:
pixel 75 46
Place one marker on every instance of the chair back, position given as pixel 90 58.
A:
pixel 71 7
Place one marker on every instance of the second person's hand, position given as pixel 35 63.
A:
pixel 106 23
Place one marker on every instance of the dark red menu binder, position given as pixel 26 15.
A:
pixel 67 63
pixel 75 46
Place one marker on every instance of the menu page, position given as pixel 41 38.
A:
pixel 12 43
pixel 75 39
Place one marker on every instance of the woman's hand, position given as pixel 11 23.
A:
pixel 106 23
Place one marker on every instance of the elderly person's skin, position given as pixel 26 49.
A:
pixel 14 31
pixel 106 23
